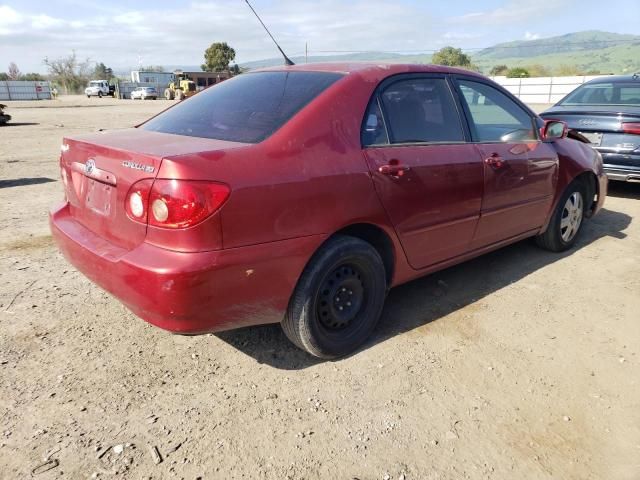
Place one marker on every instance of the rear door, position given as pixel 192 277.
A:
pixel 427 176
pixel 519 170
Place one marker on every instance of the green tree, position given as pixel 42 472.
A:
pixel 453 57
pixel 565 70
pixel 518 72
pixel 102 72
pixel 538 70
pixel 217 57
pixel 3 77
pixel 498 70
pixel 32 77
pixel 69 72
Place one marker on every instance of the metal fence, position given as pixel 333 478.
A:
pixel 23 90
pixel 542 89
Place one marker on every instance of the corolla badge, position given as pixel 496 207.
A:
pixel 138 166
pixel 90 166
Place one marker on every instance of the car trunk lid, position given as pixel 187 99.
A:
pixel 99 169
pixel 601 125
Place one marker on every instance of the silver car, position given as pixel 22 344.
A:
pixel 144 93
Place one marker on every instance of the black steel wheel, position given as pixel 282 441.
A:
pixel 338 299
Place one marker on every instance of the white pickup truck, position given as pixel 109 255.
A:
pixel 99 88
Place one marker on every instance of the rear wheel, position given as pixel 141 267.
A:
pixel 179 95
pixel 566 221
pixel 338 299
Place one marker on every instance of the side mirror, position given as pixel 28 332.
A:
pixel 553 129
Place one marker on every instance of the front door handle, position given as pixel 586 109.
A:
pixel 393 169
pixel 494 160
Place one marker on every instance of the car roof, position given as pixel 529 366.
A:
pixel 617 79
pixel 369 69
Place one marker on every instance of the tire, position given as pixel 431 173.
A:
pixel 168 94
pixel 99 94
pixel 88 96
pixel 179 95
pixel 338 299
pixel 567 220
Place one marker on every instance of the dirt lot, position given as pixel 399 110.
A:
pixel 521 364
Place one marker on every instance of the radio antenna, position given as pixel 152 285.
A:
pixel 287 60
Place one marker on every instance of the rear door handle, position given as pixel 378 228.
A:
pixel 393 169
pixel 494 160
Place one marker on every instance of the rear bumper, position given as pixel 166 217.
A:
pixel 622 167
pixel 189 292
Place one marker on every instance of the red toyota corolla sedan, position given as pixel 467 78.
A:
pixel 302 194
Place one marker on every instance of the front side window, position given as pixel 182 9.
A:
pixel 247 108
pixel 494 116
pixel 421 110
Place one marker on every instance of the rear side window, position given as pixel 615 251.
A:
pixel 609 93
pixel 421 110
pixel 494 116
pixel 247 108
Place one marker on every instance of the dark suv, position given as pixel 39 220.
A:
pixel 606 111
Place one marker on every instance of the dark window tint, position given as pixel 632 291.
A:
pixel 494 116
pixel 609 93
pixel 421 110
pixel 247 108
pixel 373 129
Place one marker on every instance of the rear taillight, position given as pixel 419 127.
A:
pixel 174 203
pixel 137 201
pixel 633 128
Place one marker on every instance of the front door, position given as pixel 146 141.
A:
pixel 427 177
pixel 519 170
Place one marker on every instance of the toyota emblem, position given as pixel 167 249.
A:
pixel 89 166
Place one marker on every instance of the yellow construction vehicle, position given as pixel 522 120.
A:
pixel 180 88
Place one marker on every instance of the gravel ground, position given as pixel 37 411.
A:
pixel 521 364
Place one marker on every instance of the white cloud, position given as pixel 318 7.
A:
pixel 531 36
pixel 181 34
pixel 513 12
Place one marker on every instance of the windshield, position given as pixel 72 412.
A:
pixel 95 84
pixel 610 93
pixel 247 108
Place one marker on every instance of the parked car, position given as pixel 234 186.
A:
pixel 302 194
pixel 143 93
pixel 100 88
pixel 606 111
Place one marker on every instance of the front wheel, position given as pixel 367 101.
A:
pixel 99 94
pixel 566 221
pixel 338 299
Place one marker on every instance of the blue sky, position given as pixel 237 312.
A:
pixel 123 33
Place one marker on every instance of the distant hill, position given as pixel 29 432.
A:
pixel 587 41
pixel 592 50
pixel 587 51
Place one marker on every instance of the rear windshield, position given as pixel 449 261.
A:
pixel 610 93
pixel 247 108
